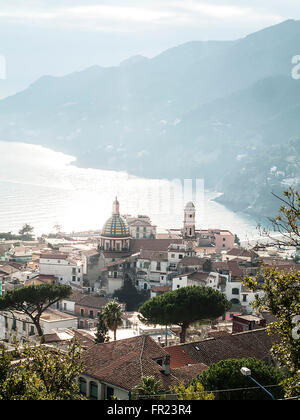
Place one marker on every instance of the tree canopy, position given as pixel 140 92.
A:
pixel 185 306
pixel 34 300
pixel 226 375
pixel 281 297
pixel 112 316
pixel 192 392
pixel 102 332
pixel 287 222
pixel 149 389
pixel 132 297
pixel 281 293
pixel 26 232
pixel 40 373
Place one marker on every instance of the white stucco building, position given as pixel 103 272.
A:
pixel 19 325
pixel 68 270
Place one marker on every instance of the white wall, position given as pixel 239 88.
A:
pixel 49 326
pixel 178 282
pixel 68 306
pixel 250 298
pixel 63 269
pixel 233 285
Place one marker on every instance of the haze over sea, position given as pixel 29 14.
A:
pixel 43 188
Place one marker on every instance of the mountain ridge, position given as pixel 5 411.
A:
pixel 198 106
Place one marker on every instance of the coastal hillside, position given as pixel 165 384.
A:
pixel 227 112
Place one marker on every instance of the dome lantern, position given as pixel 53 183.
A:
pixel 116 207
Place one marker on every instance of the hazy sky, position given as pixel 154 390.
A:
pixel 39 37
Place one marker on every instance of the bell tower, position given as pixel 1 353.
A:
pixel 189 223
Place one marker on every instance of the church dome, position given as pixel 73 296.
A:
pixel 116 227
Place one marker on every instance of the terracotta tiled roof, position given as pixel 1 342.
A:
pixel 161 289
pixel 192 261
pixel 280 264
pixel 215 334
pixel 255 343
pixel 240 252
pixel 90 253
pixel 179 357
pixel 8 268
pixel 91 301
pixel 123 363
pixel 54 256
pixel 43 277
pixel 202 277
pixel 220 265
pixel 235 269
pixel 75 296
pixel 16 265
pixel 153 244
pixel 153 255
pixel 84 338
pixel 186 373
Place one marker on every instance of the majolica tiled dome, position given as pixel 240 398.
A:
pixel 116 227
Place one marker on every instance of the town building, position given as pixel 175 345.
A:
pixel 19 326
pixel 140 227
pixel 240 253
pixel 37 279
pixel 114 369
pixel 252 343
pixel 68 270
pixel 88 310
pixel 205 241
pixel 93 265
pixel 194 278
pixel 189 264
pixel 85 306
pixel 243 323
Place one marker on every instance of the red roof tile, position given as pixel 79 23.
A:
pixel 235 269
pixel 178 357
pixel 123 363
pixel 255 343
pixel 161 289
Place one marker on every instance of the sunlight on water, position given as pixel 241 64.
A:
pixel 44 188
